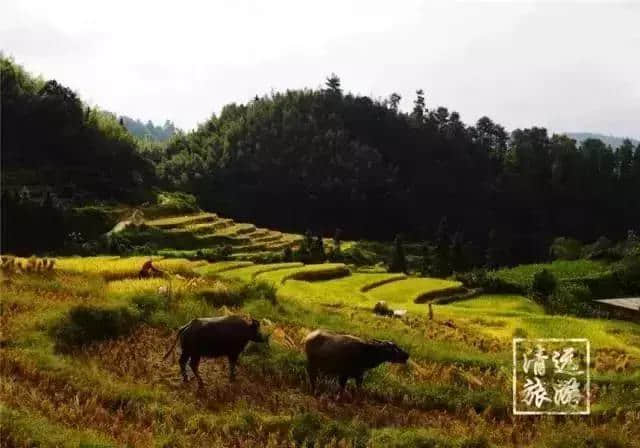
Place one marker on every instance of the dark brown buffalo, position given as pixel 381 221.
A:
pixel 347 356
pixel 213 337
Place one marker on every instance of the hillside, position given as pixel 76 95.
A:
pixel 69 381
pixel 319 160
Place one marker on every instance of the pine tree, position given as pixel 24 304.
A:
pixel 333 84
pixel 419 108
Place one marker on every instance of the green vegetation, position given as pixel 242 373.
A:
pixel 411 289
pixel 522 276
pixel 83 338
pixel 113 386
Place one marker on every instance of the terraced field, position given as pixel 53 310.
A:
pixel 111 388
pixel 209 229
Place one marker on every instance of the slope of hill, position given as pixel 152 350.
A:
pixel 187 235
pixel 82 362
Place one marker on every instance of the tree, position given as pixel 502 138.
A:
pixel 419 107
pixel 333 85
pixel 394 101
pixel 398 259
pixel 544 283
pixel 624 160
pixel 441 263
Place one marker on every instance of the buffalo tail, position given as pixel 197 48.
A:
pixel 180 331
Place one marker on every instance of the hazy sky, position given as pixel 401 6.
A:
pixel 571 66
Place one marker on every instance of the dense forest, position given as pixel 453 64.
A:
pixel 325 159
pixel 50 139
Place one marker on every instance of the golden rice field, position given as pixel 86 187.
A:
pixel 115 390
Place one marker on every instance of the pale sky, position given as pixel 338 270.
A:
pixel 571 66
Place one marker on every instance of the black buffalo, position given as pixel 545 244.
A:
pixel 213 337
pixel 347 356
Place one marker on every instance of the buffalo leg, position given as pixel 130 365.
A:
pixel 194 363
pixel 184 357
pixel 232 367
pixel 342 381
pixel 313 374
pixel 359 379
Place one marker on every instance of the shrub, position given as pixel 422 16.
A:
pixel 571 299
pixel 220 294
pixel 86 324
pixel 148 304
pixel 599 249
pixel 220 253
pixel 544 283
pixel 175 203
pixel 564 248
pixel 627 275
pixel 475 278
pixel 259 290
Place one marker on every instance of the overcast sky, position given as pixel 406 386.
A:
pixel 572 66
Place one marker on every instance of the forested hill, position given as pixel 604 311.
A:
pixel 323 159
pixel 52 141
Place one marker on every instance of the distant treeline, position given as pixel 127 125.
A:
pixel 148 130
pixel 324 159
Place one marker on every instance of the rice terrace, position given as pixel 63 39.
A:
pixel 83 341
pixel 294 263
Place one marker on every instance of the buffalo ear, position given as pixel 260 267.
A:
pixel 255 323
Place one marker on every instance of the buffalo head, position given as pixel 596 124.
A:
pixel 391 352
pixel 256 335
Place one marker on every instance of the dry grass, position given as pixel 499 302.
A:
pixel 122 268
pixel 119 392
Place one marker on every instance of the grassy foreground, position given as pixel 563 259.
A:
pixel 82 346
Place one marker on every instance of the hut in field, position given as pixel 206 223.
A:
pixel 623 308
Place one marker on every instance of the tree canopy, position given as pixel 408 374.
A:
pixel 323 159
pixel 50 139
pixel 326 159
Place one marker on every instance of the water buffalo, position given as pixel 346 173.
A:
pixel 347 356
pixel 213 337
